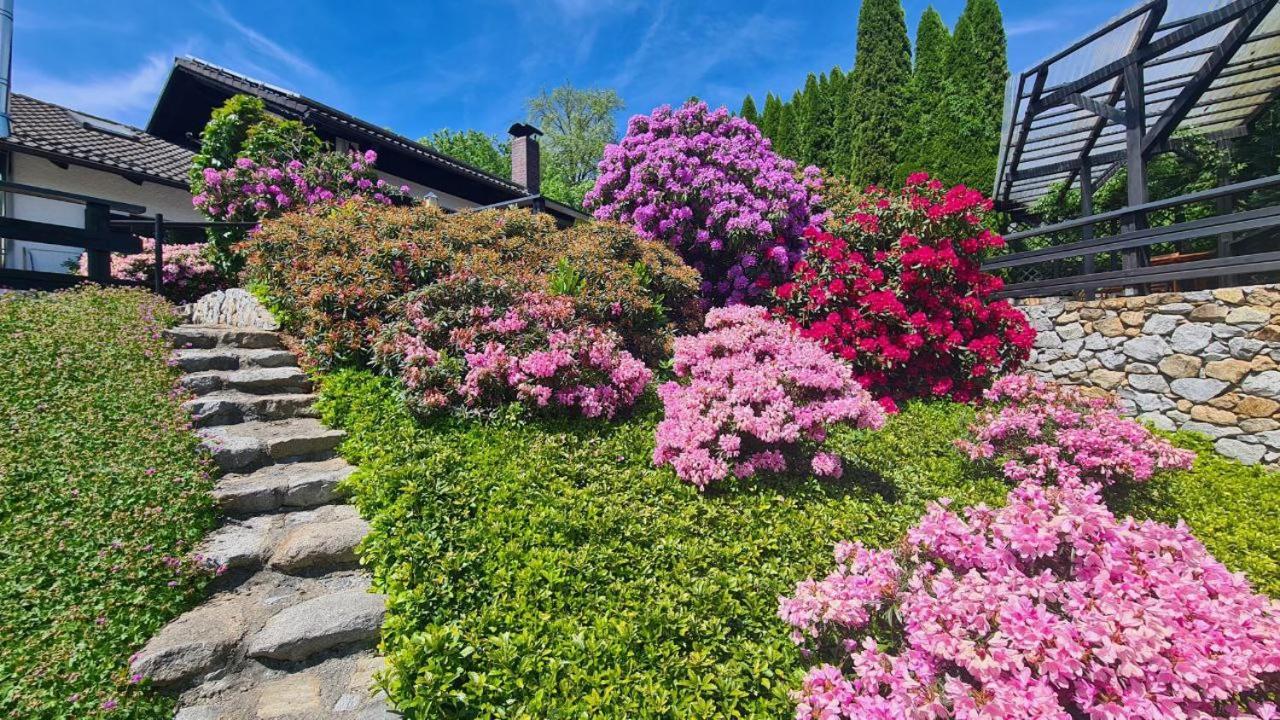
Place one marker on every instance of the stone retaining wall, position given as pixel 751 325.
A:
pixel 1203 361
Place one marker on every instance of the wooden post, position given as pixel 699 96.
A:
pixel 97 219
pixel 158 234
pixel 1136 160
pixel 1086 209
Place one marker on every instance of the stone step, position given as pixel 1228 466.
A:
pixel 311 627
pixel 288 485
pixel 196 643
pixel 258 381
pixel 319 546
pixel 227 407
pixel 220 358
pixel 248 446
pixel 211 336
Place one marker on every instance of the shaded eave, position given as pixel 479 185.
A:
pixel 64 159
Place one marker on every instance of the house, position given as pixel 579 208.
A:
pixel 60 148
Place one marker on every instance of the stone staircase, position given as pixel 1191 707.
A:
pixel 290 628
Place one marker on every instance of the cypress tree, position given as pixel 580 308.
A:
pixel 823 122
pixel 771 117
pixel 927 95
pixel 748 111
pixel 881 75
pixel 806 134
pixel 787 135
pixel 839 87
pixel 973 107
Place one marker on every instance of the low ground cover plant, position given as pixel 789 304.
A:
pixel 103 492
pixel 898 292
pixel 752 396
pixel 710 186
pixel 186 273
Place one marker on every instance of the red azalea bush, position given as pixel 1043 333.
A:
pixel 1049 608
pixel 756 394
pixel 900 294
pixel 187 275
pixel 476 343
pixel 1055 434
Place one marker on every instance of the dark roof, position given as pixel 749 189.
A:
pixel 59 133
pixel 196 87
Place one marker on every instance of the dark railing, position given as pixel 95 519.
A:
pixel 158 228
pixel 1047 270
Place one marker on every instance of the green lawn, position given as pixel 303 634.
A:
pixel 99 483
pixel 547 570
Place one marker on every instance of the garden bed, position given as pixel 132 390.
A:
pixel 102 489
pixel 547 569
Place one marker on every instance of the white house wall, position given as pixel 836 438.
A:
pixel 174 203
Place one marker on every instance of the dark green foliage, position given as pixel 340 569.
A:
pixel 878 100
pixel 473 147
pixel 748 111
pixel 578 124
pixel 927 92
pixel 968 128
pixel 100 481
pixel 771 118
pixel 547 570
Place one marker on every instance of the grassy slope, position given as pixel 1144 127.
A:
pixel 99 482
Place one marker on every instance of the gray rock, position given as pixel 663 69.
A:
pixel 1264 384
pixel 316 625
pixel 236 307
pixel 1190 339
pixel 279 439
pixel 1213 431
pixel 1224 331
pixel 1072 347
pixel 1071 331
pixel 1112 360
pixel 210 336
pixel 227 407
pixel 1096 341
pixel 233 453
pixel 1198 296
pixel 1159 421
pixel 305 484
pixel 1160 324
pixel 1147 402
pixel 1048 340
pixel 1198 390
pixel 1251 317
pixel 1150 349
pixel 191 646
pixel 1149 383
pixel 1236 450
pixel 200 712
pixel 1178 416
pixel 1067 367
pixel 1242 348
pixel 1176 308
pixel 1141 369
pixel 200 360
pixel 323 545
pixel 237 545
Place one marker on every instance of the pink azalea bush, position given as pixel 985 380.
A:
pixel 1050 433
pixel 710 186
pixel 186 273
pixel 1049 609
pixel 751 394
pixel 468 343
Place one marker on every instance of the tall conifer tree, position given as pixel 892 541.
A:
pixel 769 119
pixel 806 138
pixel 978 67
pixel 927 94
pixel 841 86
pixel 878 100
pixel 748 111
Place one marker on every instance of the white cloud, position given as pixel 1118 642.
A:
pixel 127 96
pixel 1029 26
pixel 580 8
pixel 264 45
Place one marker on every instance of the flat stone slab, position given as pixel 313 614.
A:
pixel 316 625
pixel 238 545
pixel 234 453
pixel 193 645
pixel 227 407
pixel 291 696
pixel 261 381
pixel 278 439
pixel 203 359
pixel 319 545
pixel 301 485
pixel 211 336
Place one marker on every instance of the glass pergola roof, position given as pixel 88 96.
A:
pixel 1206 67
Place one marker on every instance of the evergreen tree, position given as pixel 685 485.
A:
pixel 841 86
pixel 807 130
pixel 973 107
pixel 787 135
pixel 927 94
pixel 823 111
pixel 769 120
pixel 878 100
pixel 748 111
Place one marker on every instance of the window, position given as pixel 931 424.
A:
pixel 109 127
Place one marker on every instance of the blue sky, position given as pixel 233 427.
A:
pixel 419 66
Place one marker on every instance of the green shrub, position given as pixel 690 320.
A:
pixel 100 482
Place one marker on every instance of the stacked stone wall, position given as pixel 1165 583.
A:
pixel 1204 361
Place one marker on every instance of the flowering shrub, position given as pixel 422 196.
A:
pixel 710 186
pixel 1050 433
pixel 187 274
pixel 1047 608
pixel 900 294
pixel 468 342
pixel 756 394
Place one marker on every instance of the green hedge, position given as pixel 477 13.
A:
pixel 99 482
pixel 547 570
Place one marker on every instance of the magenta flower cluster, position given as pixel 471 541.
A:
pixel 1050 433
pixel 248 191
pixel 710 186
pixel 534 351
pixel 1049 609
pixel 186 273
pixel 752 396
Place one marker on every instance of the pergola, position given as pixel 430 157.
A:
pixel 1127 92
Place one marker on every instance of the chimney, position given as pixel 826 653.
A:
pixel 526 157
pixel 6 64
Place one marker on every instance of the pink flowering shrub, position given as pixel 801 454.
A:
pixel 186 273
pixel 1050 433
pixel 470 343
pixel 898 291
pixel 710 186
pixel 1048 609
pixel 753 396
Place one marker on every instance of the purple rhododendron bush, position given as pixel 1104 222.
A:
pixel 476 343
pixel 186 273
pixel 1050 433
pixel 1049 608
pixel 710 186
pixel 754 396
